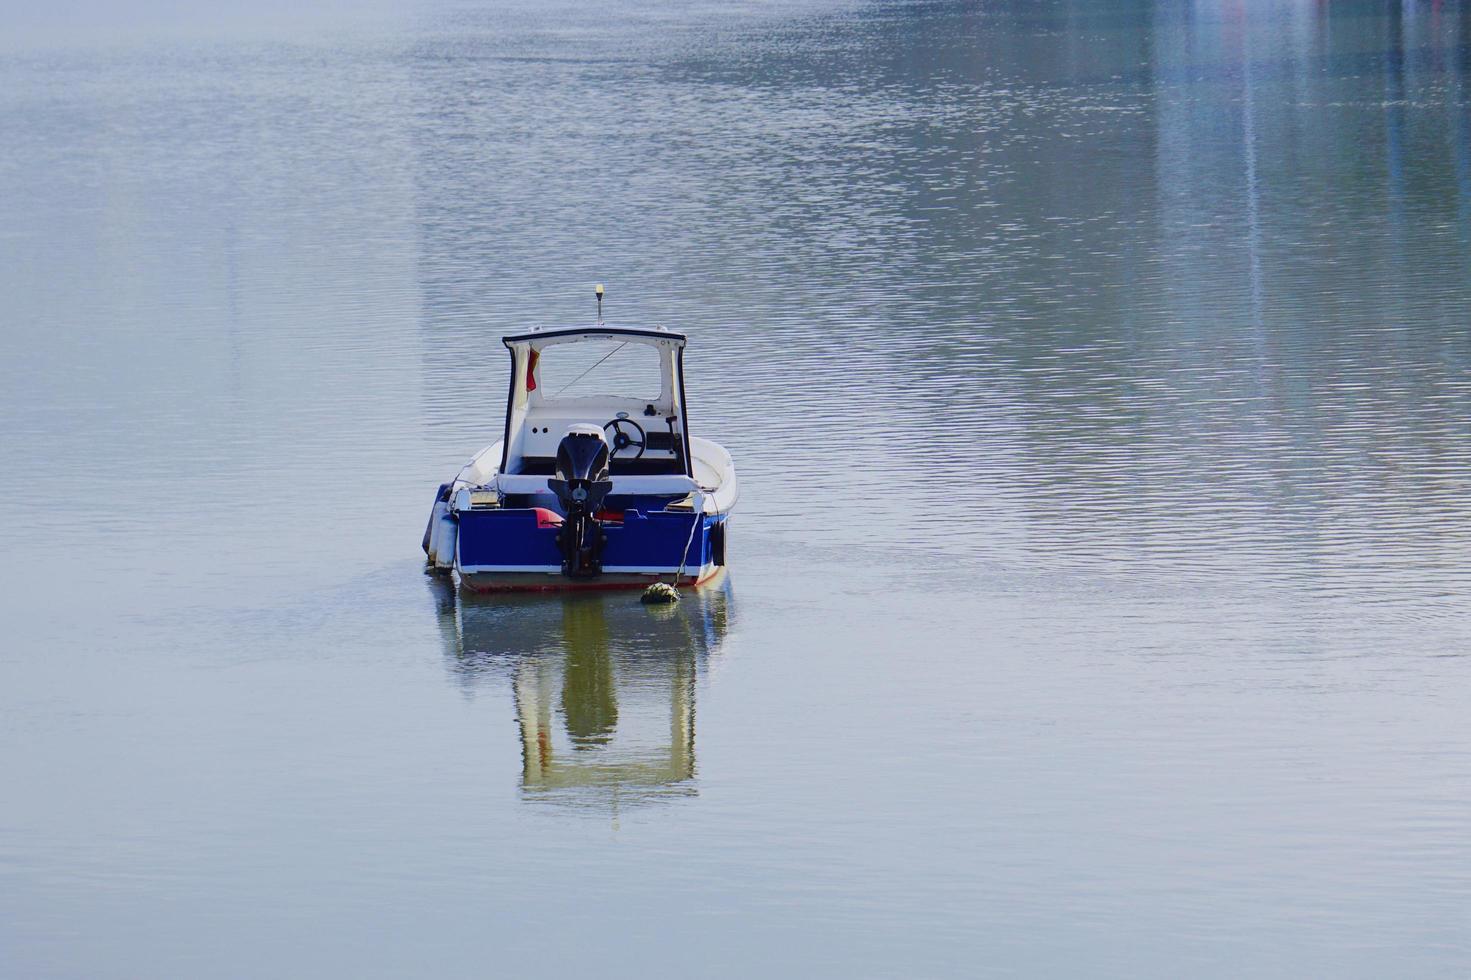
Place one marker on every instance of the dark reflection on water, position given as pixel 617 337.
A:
pixel 604 686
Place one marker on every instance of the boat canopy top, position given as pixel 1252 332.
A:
pixel 635 334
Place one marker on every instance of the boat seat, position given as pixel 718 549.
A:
pixel 643 466
pixel 668 485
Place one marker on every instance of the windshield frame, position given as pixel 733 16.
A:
pixel 672 403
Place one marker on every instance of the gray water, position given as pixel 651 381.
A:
pixel 1097 374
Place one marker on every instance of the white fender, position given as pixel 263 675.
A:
pixel 440 509
pixel 446 539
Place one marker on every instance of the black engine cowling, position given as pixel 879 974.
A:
pixel 581 484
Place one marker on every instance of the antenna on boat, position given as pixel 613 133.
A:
pixel 598 292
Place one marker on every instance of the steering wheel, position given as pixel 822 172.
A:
pixel 621 440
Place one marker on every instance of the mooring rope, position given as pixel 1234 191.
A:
pixel 684 558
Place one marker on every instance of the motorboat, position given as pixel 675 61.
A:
pixel 596 482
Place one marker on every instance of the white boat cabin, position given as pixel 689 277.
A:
pixel 626 381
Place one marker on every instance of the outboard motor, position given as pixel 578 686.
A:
pixel 581 484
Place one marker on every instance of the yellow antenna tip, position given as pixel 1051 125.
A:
pixel 598 289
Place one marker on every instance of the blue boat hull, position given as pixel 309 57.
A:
pixel 516 548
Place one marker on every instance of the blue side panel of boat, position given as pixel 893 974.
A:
pixel 506 537
pixel 657 539
pixel 512 538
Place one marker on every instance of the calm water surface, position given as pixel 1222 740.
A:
pixel 1099 375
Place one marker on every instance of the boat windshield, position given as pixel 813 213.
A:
pixel 599 367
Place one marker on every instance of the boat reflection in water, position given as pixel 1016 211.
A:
pixel 604 686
